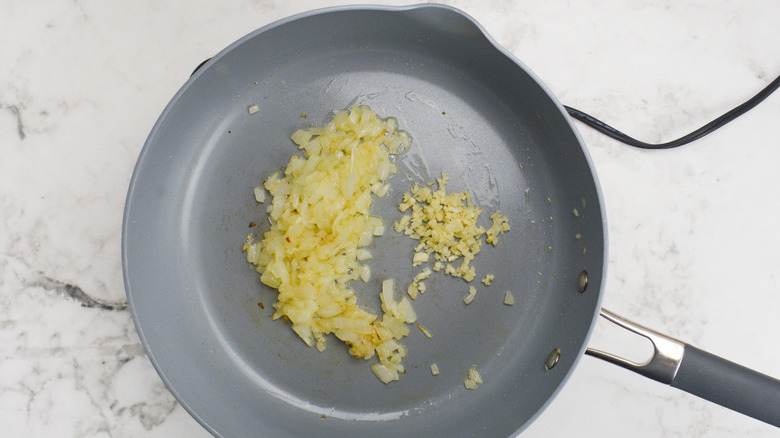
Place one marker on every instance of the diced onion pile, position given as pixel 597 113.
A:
pixel 321 224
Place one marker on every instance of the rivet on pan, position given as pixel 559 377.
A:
pixel 552 359
pixel 582 281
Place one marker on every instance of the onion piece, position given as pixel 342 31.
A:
pixel 363 254
pixel 420 258
pixel 509 299
pixel 471 295
pixel 424 330
pixel 259 195
pixel 474 375
pixel 473 379
pixel 384 373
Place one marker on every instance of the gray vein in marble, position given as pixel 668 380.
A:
pixel 75 293
pixel 17 113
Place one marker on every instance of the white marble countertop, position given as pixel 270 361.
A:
pixel 694 245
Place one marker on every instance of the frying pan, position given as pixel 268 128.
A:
pixel 473 111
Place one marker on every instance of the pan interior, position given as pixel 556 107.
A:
pixel 472 112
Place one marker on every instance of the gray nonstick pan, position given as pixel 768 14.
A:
pixel 474 112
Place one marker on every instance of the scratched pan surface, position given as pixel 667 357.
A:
pixel 474 112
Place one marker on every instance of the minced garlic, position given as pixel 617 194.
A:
pixel 417 284
pixel 446 226
pixel 500 226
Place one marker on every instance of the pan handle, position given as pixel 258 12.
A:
pixel 697 372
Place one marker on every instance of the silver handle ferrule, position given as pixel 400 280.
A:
pixel 667 351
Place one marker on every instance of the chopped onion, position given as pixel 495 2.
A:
pixel 259 194
pixel 320 225
pixel 509 299
pixel 413 290
pixel 422 275
pixel 471 295
pixel 377 225
pixel 420 258
pixel 363 254
pixel 474 375
pixel 384 373
pixel 473 380
pixel 424 330
pixel 365 273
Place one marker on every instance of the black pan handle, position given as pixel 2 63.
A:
pixel 697 372
pixel 728 384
